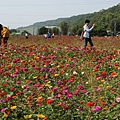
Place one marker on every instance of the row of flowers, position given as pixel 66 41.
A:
pixel 57 79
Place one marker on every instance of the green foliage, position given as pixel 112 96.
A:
pixel 64 28
pixel 13 31
pixel 42 30
pixel 55 30
pixel 23 33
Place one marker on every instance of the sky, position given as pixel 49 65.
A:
pixel 22 13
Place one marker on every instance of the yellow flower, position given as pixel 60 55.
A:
pixel 49 82
pixel 56 75
pixel 101 85
pixel 11 64
pixel 79 67
pixel 47 85
pixel 102 81
pixel 13 107
pixel 40 116
pixel 36 57
pixel 5 115
pixel 27 116
pixel 34 77
pixel 108 87
pixel 58 66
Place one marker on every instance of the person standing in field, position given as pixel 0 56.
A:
pixel 87 36
pixel 53 35
pixel 4 35
pixel 49 35
pixel 26 35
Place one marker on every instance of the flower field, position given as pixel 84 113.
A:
pixel 55 79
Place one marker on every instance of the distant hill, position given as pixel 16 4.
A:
pixel 105 19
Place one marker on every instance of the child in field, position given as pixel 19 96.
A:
pixel 4 35
pixel 86 35
pixel 53 35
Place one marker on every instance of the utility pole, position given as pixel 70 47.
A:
pixel 33 30
pixel 115 27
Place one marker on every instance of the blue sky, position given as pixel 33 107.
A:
pixel 18 13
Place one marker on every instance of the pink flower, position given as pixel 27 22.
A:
pixel 65 91
pixel 118 99
pixel 98 78
pixel 76 92
pixel 83 91
pixel 96 109
pixel 3 110
pixel 98 89
pixel 80 87
pixel 69 95
pixel 18 82
pixel 58 96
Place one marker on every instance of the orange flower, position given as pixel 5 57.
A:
pixel 30 98
pixel 18 93
pixel 41 77
pixel 12 88
pixel 106 109
pixel 5 84
pixel 102 102
pixel 40 99
pixel 81 102
pixel 114 74
pixel 62 72
pixel 114 104
pixel 7 73
pixel 27 81
pixel 14 97
pixel 66 106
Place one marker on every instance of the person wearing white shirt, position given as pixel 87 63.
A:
pixel 26 35
pixel 87 35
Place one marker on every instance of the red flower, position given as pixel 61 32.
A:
pixel 50 101
pixel 66 107
pixel 5 84
pixel 104 74
pixel 90 104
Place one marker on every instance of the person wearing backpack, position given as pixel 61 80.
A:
pixel 4 35
pixel 87 36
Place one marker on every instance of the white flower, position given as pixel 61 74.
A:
pixel 66 73
pixel 75 73
pixel 82 73
pixel 86 83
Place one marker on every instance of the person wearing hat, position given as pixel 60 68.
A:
pixel 4 35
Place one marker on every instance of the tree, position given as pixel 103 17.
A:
pixel 13 31
pixel 64 28
pixel 42 30
pixel 55 30
pixel 115 24
pixel 74 30
pixel 23 33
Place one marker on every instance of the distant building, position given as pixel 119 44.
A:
pixel 33 30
